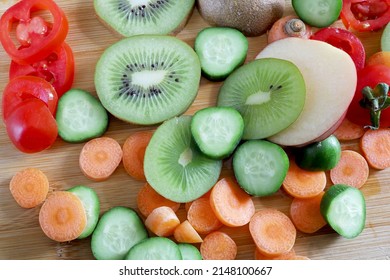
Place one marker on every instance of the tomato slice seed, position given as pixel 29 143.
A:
pixel 25 29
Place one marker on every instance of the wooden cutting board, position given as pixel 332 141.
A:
pixel 20 235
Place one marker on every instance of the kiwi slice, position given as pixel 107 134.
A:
pixel 146 79
pixel 134 17
pixel 269 93
pixel 174 165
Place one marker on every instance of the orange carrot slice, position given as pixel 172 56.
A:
pixel 306 215
pixel 231 204
pixel 352 170
pixel 375 145
pixel 201 216
pixel 218 246
pixel 100 157
pixel 185 233
pixel 62 216
pixel 29 187
pixel 148 200
pixel 162 221
pixel 285 256
pixel 188 204
pixel 134 153
pixel 272 231
pixel 349 131
pixel 303 183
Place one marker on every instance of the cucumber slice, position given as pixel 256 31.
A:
pixel 80 116
pixel 217 130
pixel 221 50
pixel 344 208
pixel 155 248
pixel 91 204
pixel 260 167
pixel 117 231
pixel 189 252
pixel 318 13
pixel 385 39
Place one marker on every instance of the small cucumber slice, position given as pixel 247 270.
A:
pixel 189 252
pixel 318 13
pixel 117 231
pixel 221 50
pixel 344 208
pixel 155 248
pixel 385 39
pixel 260 167
pixel 217 130
pixel 319 156
pixel 80 116
pixel 91 204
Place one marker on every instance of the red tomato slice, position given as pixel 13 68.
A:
pixel 370 75
pixel 37 38
pixel 365 15
pixel 24 88
pixel 345 40
pixel 57 68
pixel 31 126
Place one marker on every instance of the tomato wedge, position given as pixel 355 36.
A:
pixel 57 68
pixel 23 88
pixel 37 37
pixel 365 15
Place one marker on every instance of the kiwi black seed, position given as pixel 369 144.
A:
pixel 269 93
pixel 146 79
pixel 133 17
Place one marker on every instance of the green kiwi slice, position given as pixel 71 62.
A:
pixel 146 79
pixel 174 165
pixel 269 93
pixel 134 17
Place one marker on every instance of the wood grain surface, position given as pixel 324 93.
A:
pixel 20 234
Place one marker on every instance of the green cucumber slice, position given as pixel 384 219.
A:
pixel 217 130
pixel 91 204
pixel 189 252
pixel 344 208
pixel 155 248
pixel 260 167
pixel 318 13
pixel 385 39
pixel 117 231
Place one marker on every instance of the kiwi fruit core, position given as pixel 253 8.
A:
pixel 146 79
pixel 134 17
pixel 269 94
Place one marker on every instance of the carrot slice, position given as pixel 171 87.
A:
pixel 29 187
pixel 188 204
pixel 349 131
pixel 134 153
pixel 231 204
pixel 375 145
pixel 306 215
pixel 100 157
pixel 201 216
pixel 148 200
pixel 218 246
pixel 285 256
pixel 62 216
pixel 272 231
pixel 185 233
pixel 162 221
pixel 352 170
pixel 303 183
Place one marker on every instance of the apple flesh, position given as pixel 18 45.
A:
pixel 330 78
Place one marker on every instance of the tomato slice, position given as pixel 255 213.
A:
pixel 31 126
pixel 370 75
pixel 345 40
pixel 37 37
pixel 24 88
pixel 57 68
pixel 365 15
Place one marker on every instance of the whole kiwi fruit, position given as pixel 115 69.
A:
pixel 251 17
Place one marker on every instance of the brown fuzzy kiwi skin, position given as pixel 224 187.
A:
pixel 251 17
pixel 174 32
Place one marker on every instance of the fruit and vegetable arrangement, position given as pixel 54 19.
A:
pixel 265 120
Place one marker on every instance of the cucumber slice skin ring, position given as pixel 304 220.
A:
pixel 155 248
pixel 344 209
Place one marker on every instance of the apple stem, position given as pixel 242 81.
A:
pixel 376 100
